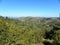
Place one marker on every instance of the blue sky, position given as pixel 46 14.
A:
pixel 39 8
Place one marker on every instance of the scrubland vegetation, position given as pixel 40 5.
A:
pixel 29 31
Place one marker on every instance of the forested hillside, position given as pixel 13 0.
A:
pixel 29 31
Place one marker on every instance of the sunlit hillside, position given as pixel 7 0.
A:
pixel 29 31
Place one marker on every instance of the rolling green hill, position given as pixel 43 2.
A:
pixel 29 30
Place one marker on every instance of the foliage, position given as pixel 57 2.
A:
pixel 28 30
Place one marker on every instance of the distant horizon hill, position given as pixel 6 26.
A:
pixel 28 16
